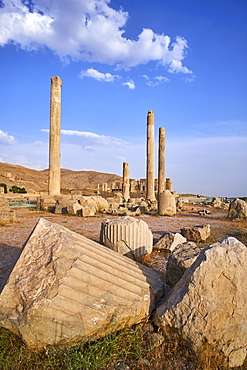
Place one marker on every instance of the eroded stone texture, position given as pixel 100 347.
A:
pixel 238 209
pixel 127 236
pixel 198 233
pixel 180 260
pixel 169 241
pixel 209 303
pixel 167 204
pixel 65 288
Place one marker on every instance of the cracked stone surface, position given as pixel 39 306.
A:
pixel 65 288
pixel 209 303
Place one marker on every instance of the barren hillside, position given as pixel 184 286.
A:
pixel 38 180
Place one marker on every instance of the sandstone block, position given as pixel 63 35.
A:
pixel 198 233
pixel 75 209
pixel 209 303
pixel 169 241
pixel 101 203
pixel 88 211
pixel 180 260
pixel 47 203
pixel 65 288
pixel 238 209
pixel 127 235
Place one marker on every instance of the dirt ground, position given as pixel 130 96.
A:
pixel 14 235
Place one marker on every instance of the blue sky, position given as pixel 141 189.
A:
pixel 183 59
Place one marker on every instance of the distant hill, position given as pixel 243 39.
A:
pixel 33 180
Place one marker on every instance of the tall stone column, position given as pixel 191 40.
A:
pixel 54 148
pixel 150 195
pixel 161 165
pixel 126 181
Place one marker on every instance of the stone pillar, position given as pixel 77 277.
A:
pixel 161 165
pixel 150 195
pixel 54 149
pixel 126 181
pixel 169 184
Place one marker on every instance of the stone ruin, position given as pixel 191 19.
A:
pixel 126 186
pixel 65 288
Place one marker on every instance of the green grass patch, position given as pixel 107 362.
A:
pixel 126 345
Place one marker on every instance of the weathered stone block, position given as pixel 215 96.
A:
pixel 167 204
pixel 238 209
pixel 198 233
pixel 127 235
pixel 65 288
pixel 88 211
pixel 61 205
pixel 75 209
pixel 169 241
pixel 180 260
pixel 209 304
pixel 216 202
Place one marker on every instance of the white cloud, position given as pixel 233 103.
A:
pixel 90 139
pixel 89 148
pixel 38 143
pixel 130 84
pixel 107 77
pixel 157 80
pixel 88 30
pixel 7 139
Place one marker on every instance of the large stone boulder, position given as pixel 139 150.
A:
pixel 209 303
pixel 238 209
pixel 198 233
pixel 166 204
pixel 127 235
pixel 65 288
pixel 169 241
pixel 180 260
